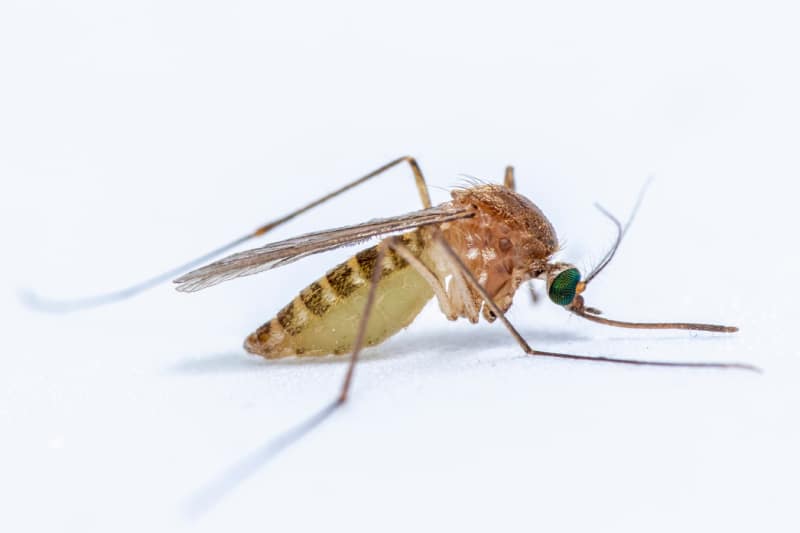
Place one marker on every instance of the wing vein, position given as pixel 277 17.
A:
pixel 284 252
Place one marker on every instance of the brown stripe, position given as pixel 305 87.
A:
pixel 395 261
pixel 413 242
pixel 327 290
pixel 288 320
pixel 262 333
pixel 366 261
pixel 341 280
pixel 313 297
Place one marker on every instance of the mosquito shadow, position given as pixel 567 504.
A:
pixel 208 496
pixel 241 362
pixel 457 342
pixel 448 342
pixel 217 363
pixel 693 336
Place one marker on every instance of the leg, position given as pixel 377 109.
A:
pixel 362 325
pixel 533 294
pixel 509 179
pixel 115 296
pixel 459 266
pixel 434 282
pixel 223 484
pixel 422 189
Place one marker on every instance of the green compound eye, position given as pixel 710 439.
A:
pixel 562 290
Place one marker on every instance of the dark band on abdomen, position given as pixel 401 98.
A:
pixel 313 297
pixel 341 280
pixel 288 320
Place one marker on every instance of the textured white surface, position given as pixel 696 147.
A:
pixel 134 137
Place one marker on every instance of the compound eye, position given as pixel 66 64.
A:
pixel 564 286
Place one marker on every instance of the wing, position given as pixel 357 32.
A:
pixel 281 253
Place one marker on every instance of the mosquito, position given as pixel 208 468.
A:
pixel 471 253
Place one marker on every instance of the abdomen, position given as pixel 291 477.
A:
pixel 324 318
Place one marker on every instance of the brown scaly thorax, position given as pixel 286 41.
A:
pixel 506 243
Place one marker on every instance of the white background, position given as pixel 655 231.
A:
pixel 136 135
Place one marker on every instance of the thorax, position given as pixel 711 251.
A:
pixel 508 241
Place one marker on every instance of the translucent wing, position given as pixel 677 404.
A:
pixel 282 253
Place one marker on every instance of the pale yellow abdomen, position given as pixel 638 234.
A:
pixel 324 318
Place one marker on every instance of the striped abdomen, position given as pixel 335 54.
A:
pixel 324 318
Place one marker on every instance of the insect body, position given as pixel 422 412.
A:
pixel 471 253
pixel 324 318
pixel 506 242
